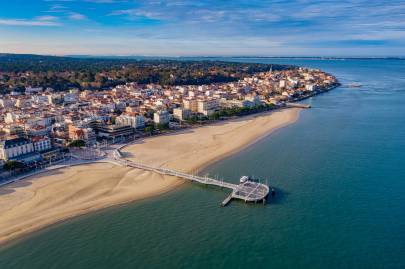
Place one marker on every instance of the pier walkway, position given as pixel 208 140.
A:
pixel 248 191
pixel 299 105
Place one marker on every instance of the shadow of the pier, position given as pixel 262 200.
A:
pixel 276 196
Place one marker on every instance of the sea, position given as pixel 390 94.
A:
pixel 339 176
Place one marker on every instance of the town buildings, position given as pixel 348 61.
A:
pixel 40 120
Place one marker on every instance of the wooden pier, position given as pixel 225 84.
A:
pixel 288 104
pixel 227 200
pixel 248 191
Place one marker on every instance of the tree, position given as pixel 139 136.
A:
pixel 12 165
pixel 149 129
pixel 215 116
pixel 113 120
pixel 162 126
pixel 77 144
pixel 193 119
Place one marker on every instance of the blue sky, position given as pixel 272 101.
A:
pixel 208 28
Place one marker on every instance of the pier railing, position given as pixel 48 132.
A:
pixel 171 172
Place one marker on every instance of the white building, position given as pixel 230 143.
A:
pixel 293 82
pixel 13 117
pixel 237 103
pixel 30 90
pixel 133 121
pixel 310 87
pixel 208 106
pixel 40 99
pixel 254 99
pixel 161 117
pixel 190 104
pixel 181 113
pixel 23 103
pixel 70 98
pixel 13 148
pixel 41 143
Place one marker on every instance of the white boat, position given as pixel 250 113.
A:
pixel 244 179
pixel 354 85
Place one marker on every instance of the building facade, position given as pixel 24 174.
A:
pixel 190 104
pixel 161 117
pixel 41 143
pixel 181 113
pixel 86 134
pixel 14 148
pixel 208 106
pixel 136 122
pixel 114 132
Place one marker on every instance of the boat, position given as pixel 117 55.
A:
pixel 354 85
pixel 244 179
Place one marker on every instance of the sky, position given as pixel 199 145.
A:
pixel 203 28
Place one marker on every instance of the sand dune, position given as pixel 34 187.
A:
pixel 54 196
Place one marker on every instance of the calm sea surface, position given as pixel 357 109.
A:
pixel 340 176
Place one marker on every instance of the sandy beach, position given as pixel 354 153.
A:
pixel 54 196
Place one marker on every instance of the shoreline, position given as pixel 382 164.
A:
pixel 236 151
pixel 31 204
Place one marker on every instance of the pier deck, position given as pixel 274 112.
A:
pixel 227 200
pixel 299 105
pixel 248 191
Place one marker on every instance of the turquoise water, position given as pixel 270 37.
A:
pixel 340 179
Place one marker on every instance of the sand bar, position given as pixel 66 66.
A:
pixel 54 196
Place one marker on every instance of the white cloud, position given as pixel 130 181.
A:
pixel 77 16
pixel 40 21
pixel 47 18
pixel 134 13
pixel 57 8
pixel 105 1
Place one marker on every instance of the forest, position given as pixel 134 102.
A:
pixel 18 71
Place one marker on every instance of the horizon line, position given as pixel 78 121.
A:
pixel 207 56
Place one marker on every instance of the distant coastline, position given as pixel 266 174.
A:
pixel 240 57
pixel 218 57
